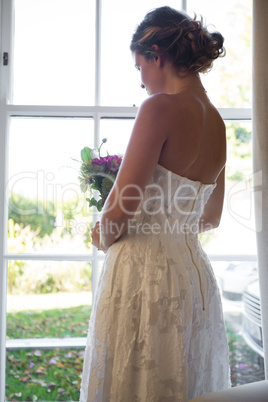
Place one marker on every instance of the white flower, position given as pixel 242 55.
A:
pixel 94 153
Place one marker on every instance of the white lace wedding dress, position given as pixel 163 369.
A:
pixel 156 331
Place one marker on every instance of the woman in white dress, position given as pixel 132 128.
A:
pixel 156 331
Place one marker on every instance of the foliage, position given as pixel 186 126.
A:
pixel 17 245
pixel 41 277
pixel 234 73
pixel 46 276
pixel 242 134
pixel 239 163
pixel 40 216
pixel 43 219
pixel 65 238
pixel 72 212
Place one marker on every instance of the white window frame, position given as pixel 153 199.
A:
pixel 96 112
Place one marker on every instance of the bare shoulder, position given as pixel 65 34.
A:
pixel 155 103
pixel 164 110
pixel 154 115
pixel 166 101
pixel 180 113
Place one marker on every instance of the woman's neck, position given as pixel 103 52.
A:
pixel 176 84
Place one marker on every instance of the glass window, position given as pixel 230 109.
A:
pixel 229 82
pixel 238 212
pixel 45 285
pixel 238 282
pixel 48 308
pixel 120 82
pixel 117 131
pixel 47 210
pixel 238 279
pixel 54 52
pixel 54 64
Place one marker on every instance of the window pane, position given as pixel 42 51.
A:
pixel 237 231
pixel 238 282
pixel 229 82
pixel 48 310
pixel 120 82
pixel 44 375
pixel 47 210
pixel 54 52
pixel 46 285
pixel 117 132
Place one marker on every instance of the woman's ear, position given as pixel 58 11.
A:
pixel 159 58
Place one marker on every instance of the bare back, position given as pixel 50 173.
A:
pixel 196 142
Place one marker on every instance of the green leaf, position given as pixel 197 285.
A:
pixel 93 202
pixel 86 154
pixel 99 205
pixel 95 187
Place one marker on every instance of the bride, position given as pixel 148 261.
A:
pixel 156 331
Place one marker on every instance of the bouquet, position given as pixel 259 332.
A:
pixel 98 173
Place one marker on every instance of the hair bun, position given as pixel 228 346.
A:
pixel 186 41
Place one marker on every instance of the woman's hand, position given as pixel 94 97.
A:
pixel 95 235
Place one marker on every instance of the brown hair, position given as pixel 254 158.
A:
pixel 187 42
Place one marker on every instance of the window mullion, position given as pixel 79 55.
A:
pixel 98 53
pixel 95 260
pixel 184 5
pixel 3 241
pixel 104 111
pixel 52 257
pixel 6 8
pixel 70 111
pixel 7 34
pixel 235 113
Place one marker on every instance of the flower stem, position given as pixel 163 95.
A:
pixel 103 141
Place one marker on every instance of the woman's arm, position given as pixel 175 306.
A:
pixel 211 216
pixel 147 139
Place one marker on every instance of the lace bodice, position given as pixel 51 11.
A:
pixel 173 197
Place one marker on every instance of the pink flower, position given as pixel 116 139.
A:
pixel 114 163
pixel 111 162
pixel 97 161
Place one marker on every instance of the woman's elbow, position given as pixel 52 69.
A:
pixel 209 224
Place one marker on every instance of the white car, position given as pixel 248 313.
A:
pixel 251 323
pixel 234 279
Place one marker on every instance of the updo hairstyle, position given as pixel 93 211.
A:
pixel 185 41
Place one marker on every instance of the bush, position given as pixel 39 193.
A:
pixel 39 277
pixel 38 215
pixel 46 276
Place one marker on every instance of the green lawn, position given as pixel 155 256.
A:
pixel 48 323
pixel 45 375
